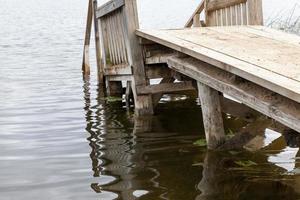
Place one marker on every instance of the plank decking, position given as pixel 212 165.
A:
pixel 264 56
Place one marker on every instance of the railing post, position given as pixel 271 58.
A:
pixel 97 45
pixel 143 103
pixel 255 12
pixel 85 61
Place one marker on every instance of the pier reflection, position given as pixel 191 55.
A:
pixel 154 157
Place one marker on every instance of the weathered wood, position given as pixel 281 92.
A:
pixel 198 10
pixel 196 21
pixel 166 87
pixel 231 49
pixel 261 99
pixel 158 58
pixel 143 103
pixel 158 71
pixel 156 97
pixel 100 66
pixel 219 4
pixel 255 12
pixel 114 88
pixel 128 93
pixel 85 60
pixel 212 116
pixel 119 78
pixel 115 70
pixel 109 7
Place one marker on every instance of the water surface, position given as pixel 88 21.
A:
pixel 60 139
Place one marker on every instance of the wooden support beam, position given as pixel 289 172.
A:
pixel 100 65
pixel 158 71
pixel 85 60
pixel 158 58
pixel 212 116
pixel 156 97
pixel 128 93
pixel 273 105
pixel 143 103
pixel 118 70
pixel 114 88
pixel 166 87
pixel 109 7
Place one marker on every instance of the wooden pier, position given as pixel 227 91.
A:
pixel 228 52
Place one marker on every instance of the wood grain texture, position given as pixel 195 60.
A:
pixel 88 30
pixel 109 7
pixel 257 97
pixel 212 116
pixel 219 4
pixel 143 103
pixel 254 57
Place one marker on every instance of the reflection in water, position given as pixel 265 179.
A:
pixel 154 157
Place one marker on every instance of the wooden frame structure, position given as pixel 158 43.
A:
pixel 127 54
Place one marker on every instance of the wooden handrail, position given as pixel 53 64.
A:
pixel 198 10
pixel 109 7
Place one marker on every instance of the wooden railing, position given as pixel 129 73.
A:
pixel 114 36
pixel 228 13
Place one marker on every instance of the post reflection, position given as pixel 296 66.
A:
pixel 147 158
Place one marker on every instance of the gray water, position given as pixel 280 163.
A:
pixel 59 139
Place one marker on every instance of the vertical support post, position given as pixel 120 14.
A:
pixel 255 12
pixel 85 61
pixel 212 116
pixel 128 93
pixel 114 88
pixel 196 21
pixel 143 103
pixel 97 45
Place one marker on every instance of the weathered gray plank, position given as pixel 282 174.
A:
pixel 143 103
pixel 219 4
pixel 85 60
pixel 100 66
pixel 166 87
pixel 109 7
pixel 263 100
pixel 212 116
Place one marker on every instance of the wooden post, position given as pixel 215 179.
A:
pixel 114 88
pixel 196 21
pixel 212 116
pixel 128 93
pixel 85 61
pixel 97 45
pixel 143 103
pixel 255 12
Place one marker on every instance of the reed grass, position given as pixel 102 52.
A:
pixel 287 21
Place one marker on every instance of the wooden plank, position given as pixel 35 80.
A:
pixel 274 81
pixel 198 10
pixel 255 12
pixel 166 87
pixel 158 58
pixel 158 71
pixel 100 66
pixel 219 4
pixel 119 78
pixel 143 103
pixel 109 7
pixel 85 61
pixel 212 116
pixel 118 70
pixel 156 97
pixel 263 100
